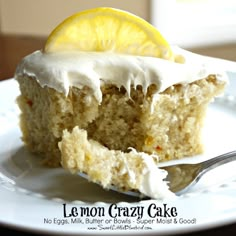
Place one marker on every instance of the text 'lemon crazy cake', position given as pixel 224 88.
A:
pixel 108 96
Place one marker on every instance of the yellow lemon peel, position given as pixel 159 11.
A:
pixel 108 30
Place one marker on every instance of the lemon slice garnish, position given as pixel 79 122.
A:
pixel 108 29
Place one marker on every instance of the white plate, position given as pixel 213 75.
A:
pixel 32 196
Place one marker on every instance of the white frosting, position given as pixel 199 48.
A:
pixel 153 182
pixel 65 69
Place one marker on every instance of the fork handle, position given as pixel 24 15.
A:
pixel 219 160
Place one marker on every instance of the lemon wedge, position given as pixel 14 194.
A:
pixel 108 29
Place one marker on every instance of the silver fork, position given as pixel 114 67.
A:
pixel 183 177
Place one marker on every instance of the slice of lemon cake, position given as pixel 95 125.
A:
pixel 112 74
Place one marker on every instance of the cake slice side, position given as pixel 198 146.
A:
pixel 168 124
pixel 174 128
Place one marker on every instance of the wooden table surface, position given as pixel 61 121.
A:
pixel 13 48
